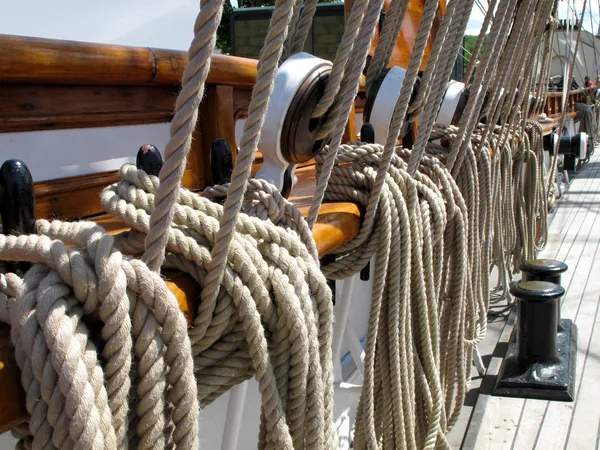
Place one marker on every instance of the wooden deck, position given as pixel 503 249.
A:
pixel 522 424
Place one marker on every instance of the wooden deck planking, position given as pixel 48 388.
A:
pixel 574 236
pixel 529 424
pixel 579 252
pixel 583 428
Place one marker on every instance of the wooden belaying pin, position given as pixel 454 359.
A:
pixel 221 161
pixel 17 204
pixel 149 159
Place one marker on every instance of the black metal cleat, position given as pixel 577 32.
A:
pixel 17 204
pixel 539 362
pixel 149 159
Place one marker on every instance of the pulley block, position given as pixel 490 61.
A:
pixel 289 134
pixel 574 145
pixel 382 97
pixel 453 104
pixel 551 143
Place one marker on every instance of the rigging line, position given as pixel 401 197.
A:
pixel 593 39
pixel 480 6
pixel 583 51
pixel 566 67
pixel 563 114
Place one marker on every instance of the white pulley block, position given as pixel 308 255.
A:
pixel 575 146
pixel 298 83
pixel 551 143
pixel 450 104
pixel 379 112
pixel 583 144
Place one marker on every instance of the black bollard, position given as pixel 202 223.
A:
pixel 536 327
pixel 17 204
pixel 539 362
pixel 549 270
pixel 573 148
pixel 149 159
pixel 545 270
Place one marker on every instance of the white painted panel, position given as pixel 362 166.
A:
pixel 66 153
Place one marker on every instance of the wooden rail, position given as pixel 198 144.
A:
pixel 553 104
pixel 36 60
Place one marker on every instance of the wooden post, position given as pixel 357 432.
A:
pixel 216 120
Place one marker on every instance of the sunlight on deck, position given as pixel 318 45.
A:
pixel 523 424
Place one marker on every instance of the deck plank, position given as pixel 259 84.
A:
pixel 500 423
pixel 579 252
pixel 512 423
pixel 530 422
pixel 583 427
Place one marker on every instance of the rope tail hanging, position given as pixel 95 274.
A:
pixel 106 356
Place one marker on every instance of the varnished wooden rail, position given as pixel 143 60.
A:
pixel 553 104
pixel 36 60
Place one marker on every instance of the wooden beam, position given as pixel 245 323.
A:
pixel 78 197
pixel 26 107
pixel 350 134
pixel 52 61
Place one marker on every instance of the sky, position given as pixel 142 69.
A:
pixel 153 23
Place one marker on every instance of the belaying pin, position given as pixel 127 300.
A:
pixel 221 161
pixel 149 159
pixel 17 204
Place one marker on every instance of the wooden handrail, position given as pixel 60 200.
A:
pixel 37 60
pixel 585 91
pixel 32 60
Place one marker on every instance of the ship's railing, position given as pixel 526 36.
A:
pixel 553 104
pixel 50 84
pixel 58 85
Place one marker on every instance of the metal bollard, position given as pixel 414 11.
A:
pixel 539 362
pixel 549 270
pixel 537 319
